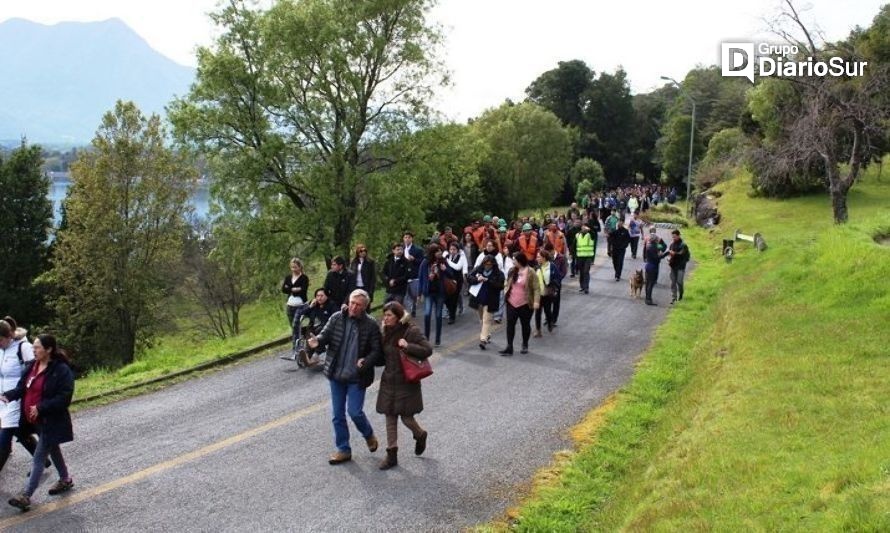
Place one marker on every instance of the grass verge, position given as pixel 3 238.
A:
pixel 762 402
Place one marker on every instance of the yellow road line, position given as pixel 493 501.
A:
pixel 80 496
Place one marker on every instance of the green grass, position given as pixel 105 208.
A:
pixel 763 401
pixel 189 346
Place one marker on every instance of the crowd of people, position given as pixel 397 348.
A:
pixel 504 271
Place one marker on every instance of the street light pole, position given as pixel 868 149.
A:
pixel 691 139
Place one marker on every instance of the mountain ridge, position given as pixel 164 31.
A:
pixel 56 81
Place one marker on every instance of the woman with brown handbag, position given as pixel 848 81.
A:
pixel 397 397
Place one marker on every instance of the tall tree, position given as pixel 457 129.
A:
pixel 528 155
pixel 295 100
pixel 26 218
pixel 563 91
pixel 116 261
pixel 608 125
pixel 832 125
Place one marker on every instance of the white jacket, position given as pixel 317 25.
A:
pixel 10 373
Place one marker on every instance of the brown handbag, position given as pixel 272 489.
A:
pixel 415 369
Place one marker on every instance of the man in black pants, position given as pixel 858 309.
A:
pixel 652 256
pixel 620 239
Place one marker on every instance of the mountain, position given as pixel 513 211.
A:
pixel 57 81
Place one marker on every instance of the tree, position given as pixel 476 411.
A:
pixel 26 218
pixel 838 120
pixel 528 153
pixel 295 102
pixel 116 261
pixel 563 91
pixel 586 169
pixel 221 272
pixel 608 125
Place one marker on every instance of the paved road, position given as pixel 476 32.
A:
pixel 246 448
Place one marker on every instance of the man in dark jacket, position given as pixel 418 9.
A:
pixel 678 256
pixel 353 343
pixel 414 256
pixel 395 274
pixel 619 240
pixel 652 254
pixel 571 239
pixel 337 281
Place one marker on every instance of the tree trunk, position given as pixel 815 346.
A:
pixel 839 203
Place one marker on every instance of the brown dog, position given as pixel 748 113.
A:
pixel 636 284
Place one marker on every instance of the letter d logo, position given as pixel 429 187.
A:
pixel 737 60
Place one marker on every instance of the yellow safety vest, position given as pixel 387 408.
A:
pixel 584 245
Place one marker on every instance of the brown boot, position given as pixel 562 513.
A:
pixel 392 459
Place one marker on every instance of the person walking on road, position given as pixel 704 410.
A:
pixel 45 389
pixel 586 251
pixel 15 353
pixel 635 229
pixel 414 255
pixel 652 254
pixel 679 255
pixel 296 287
pixel 397 397
pixel 523 298
pixel 620 239
pixel 486 286
pixel 352 339
pixel 433 271
pixel 395 274
pixel 363 272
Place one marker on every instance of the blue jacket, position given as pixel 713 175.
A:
pixel 54 422
pixel 437 285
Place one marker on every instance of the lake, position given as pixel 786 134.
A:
pixel 59 184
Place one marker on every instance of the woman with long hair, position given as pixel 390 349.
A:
pixel 550 281
pixel 457 269
pixel 45 388
pixel 397 397
pixel 486 286
pixel 523 297
pixel 433 271
pixel 362 273
pixel 296 287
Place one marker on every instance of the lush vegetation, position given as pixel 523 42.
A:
pixel 762 402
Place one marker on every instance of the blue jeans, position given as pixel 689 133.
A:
pixel 347 398
pixel 39 460
pixel 433 302
pixel 411 296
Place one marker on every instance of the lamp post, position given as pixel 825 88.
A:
pixel 691 138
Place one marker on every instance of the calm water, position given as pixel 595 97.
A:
pixel 58 189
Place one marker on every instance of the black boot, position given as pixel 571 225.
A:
pixel 391 460
pixel 4 455
pixel 420 443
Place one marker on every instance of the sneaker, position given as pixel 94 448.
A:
pixel 538 334
pixel 372 443
pixel 21 501
pixel 61 486
pixel 334 459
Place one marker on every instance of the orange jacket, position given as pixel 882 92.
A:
pixel 557 239
pixel 529 247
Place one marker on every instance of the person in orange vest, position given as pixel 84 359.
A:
pixel 528 243
pixel 485 232
pixel 556 238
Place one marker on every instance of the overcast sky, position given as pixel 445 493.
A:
pixel 495 48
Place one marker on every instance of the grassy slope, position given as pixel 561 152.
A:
pixel 763 402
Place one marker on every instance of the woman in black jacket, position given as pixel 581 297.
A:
pixel 363 272
pixel 296 287
pixel 486 283
pixel 46 388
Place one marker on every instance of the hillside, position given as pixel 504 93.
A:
pixel 58 80
pixel 762 404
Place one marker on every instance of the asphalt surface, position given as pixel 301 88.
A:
pixel 246 448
